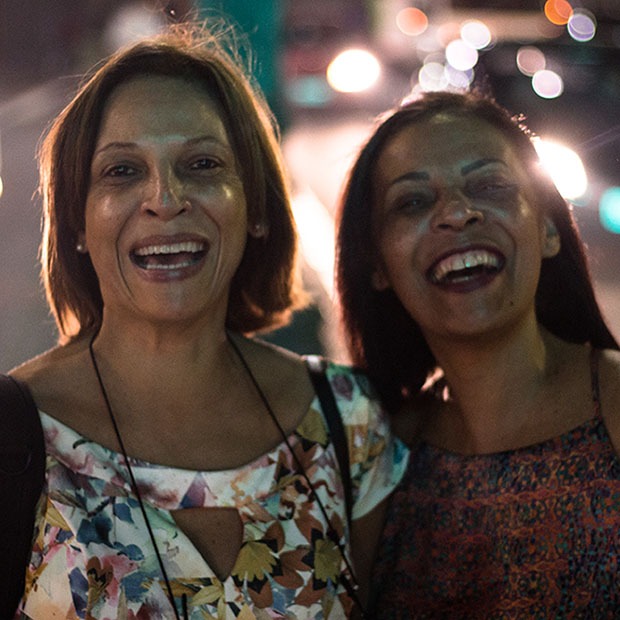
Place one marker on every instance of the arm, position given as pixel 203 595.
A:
pixel 377 462
pixel 365 538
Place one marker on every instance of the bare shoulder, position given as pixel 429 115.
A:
pixel 50 362
pixel 283 362
pixel 56 378
pixel 281 373
pixel 609 383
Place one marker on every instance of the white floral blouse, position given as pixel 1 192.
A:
pixel 93 557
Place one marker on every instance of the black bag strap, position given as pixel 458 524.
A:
pixel 22 473
pixel 316 368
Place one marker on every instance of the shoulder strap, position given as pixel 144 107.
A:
pixel 594 381
pixel 22 472
pixel 316 369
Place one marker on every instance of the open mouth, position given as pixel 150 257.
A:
pixel 465 266
pixel 169 256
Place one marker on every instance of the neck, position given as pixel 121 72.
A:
pixel 495 386
pixel 160 369
pixel 141 345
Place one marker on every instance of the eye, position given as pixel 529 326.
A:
pixel 204 163
pixel 414 202
pixel 491 188
pixel 120 170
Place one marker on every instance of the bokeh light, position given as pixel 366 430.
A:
pixel 547 84
pixel 412 21
pixel 558 12
pixel 130 23
pixel 609 209
pixel 530 59
pixel 353 71
pixel 311 91
pixel 564 166
pixel 432 76
pixel 461 80
pixel 315 225
pixel 476 34
pixel 582 25
pixel 428 42
pixel 460 55
pixel 448 31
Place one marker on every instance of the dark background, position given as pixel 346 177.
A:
pixel 46 44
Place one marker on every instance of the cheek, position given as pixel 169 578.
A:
pixel 398 240
pixel 100 209
pixel 104 223
pixel 237 209
pixel 400 268
pixel 227 206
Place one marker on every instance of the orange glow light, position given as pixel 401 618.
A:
pixel 412 21
pixel 558 12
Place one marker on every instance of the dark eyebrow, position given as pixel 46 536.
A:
pixel 417 175
pixel 412 176
pixel 480 163
pixel 114 145
pixel 132 145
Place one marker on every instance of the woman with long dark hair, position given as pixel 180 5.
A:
pixel 466 297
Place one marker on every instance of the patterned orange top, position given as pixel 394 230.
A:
pixel 530 533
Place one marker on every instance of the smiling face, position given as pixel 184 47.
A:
pixel 458 236
pixel 166 221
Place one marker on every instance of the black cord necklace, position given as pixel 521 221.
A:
pixel 351 588
pixel 135 487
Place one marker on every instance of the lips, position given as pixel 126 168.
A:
pixel 169 256
pixel 466 266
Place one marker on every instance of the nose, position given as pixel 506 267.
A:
pixel 165 196
pixel 456 213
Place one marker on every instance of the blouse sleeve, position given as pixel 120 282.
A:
pixel 377 459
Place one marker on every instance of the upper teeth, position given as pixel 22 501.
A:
pixel 171 248
pixel 464 260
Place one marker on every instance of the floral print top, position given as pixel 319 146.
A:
pixel 93 556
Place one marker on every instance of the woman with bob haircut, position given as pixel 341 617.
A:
pixel 190 470
pixel 466 298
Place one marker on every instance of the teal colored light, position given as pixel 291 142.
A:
pixel 311 91
pixel 609 209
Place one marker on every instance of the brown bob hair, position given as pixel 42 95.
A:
pixel 381 336
pixel 265 288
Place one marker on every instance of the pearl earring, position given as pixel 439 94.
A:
pixel 80 247
pixel 258 230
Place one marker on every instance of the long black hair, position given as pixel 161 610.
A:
pixel 382 337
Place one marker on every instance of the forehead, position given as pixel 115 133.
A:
pixel 443 142
pixel 153 105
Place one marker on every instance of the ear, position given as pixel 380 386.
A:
pixel 81 246
pixel 551 238
pixel 258 230
pixel 379 280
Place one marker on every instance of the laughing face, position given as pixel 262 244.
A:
pixel 459 237
pixel 166 221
